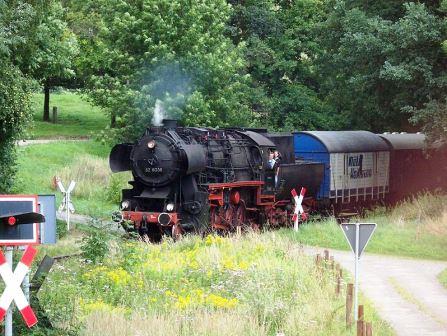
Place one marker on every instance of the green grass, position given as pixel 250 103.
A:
pixel 76 117
pixel 257 284
pixel 403 231
pixel 38 164
pixel 443 278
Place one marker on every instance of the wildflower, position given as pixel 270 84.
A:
pixel 221 302
pixel 119 277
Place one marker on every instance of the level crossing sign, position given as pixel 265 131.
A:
pixel 298 207
pixel 13 291
pixel 66 202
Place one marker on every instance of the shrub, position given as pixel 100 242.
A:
pixel 116 183
pixel 14 114
pixel 95 246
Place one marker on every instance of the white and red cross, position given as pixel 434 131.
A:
pixel 298 207
pixel 13 291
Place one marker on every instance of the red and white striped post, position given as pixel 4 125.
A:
pixel 13 291
pixel 298 207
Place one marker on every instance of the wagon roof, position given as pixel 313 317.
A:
pixel 405 141
pixel 349 141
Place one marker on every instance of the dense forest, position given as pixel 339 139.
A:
pixel 284 64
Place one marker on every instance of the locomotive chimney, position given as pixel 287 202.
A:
pixel 170 123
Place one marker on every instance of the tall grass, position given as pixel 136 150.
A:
pixel 97 191
pixel 94 178
pixel 443 278
pixel 427 211
pixel 414 228
pixel 260 284
pixel 91 173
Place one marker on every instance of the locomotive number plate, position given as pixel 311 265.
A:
pixel 154 170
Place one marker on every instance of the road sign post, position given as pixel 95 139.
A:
pixel 8 317
pixel 358 236
pixel 66 202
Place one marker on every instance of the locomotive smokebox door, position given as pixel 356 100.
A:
pixel 16 213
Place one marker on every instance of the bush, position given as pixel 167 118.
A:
pixel 14 114
pixel 61 229
pixel 116 184
pixel 95 246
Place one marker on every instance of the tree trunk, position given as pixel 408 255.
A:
pixel 113 120
pixel 46 102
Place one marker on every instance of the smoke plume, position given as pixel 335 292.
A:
pixel 159 113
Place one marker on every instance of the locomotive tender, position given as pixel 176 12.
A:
pixel 191 179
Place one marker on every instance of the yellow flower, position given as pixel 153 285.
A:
pixel 99 305
pixel 221 302
pixel 170 294
pixel 183 302
pixel 119 276
pixel 215 240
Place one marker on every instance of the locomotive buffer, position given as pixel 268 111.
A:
pixel 358 236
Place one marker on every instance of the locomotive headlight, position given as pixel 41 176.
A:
pixel 125 205
pixel 170 207
pixel 151 144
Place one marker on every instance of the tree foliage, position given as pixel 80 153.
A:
pixel 281 53
pixel 173 51
pixel 15 23
pixel 302 64
pixel 380 71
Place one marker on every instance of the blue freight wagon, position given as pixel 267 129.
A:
pixel 356 164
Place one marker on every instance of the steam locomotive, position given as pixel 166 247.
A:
pixel 191 179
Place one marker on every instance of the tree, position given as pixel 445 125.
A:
pixel 378 72
pixel 280 52
pixel 171 51
pixel 16 23
pixel 53 49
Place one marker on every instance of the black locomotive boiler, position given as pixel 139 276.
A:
pixel 190 179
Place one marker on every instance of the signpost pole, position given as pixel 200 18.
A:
pixel 25 283
pixel 356 280
pixel 8 317
pixel 67 202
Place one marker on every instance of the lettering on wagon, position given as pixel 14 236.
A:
pixel 355 165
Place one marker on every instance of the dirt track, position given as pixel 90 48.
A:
pixel 22 143
pixel 406 292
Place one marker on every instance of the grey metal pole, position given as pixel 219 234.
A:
pixel 25 283
pixel 356 280
pixel 8 318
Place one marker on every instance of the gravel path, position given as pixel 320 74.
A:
pixel 406 292
pixel 22 143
